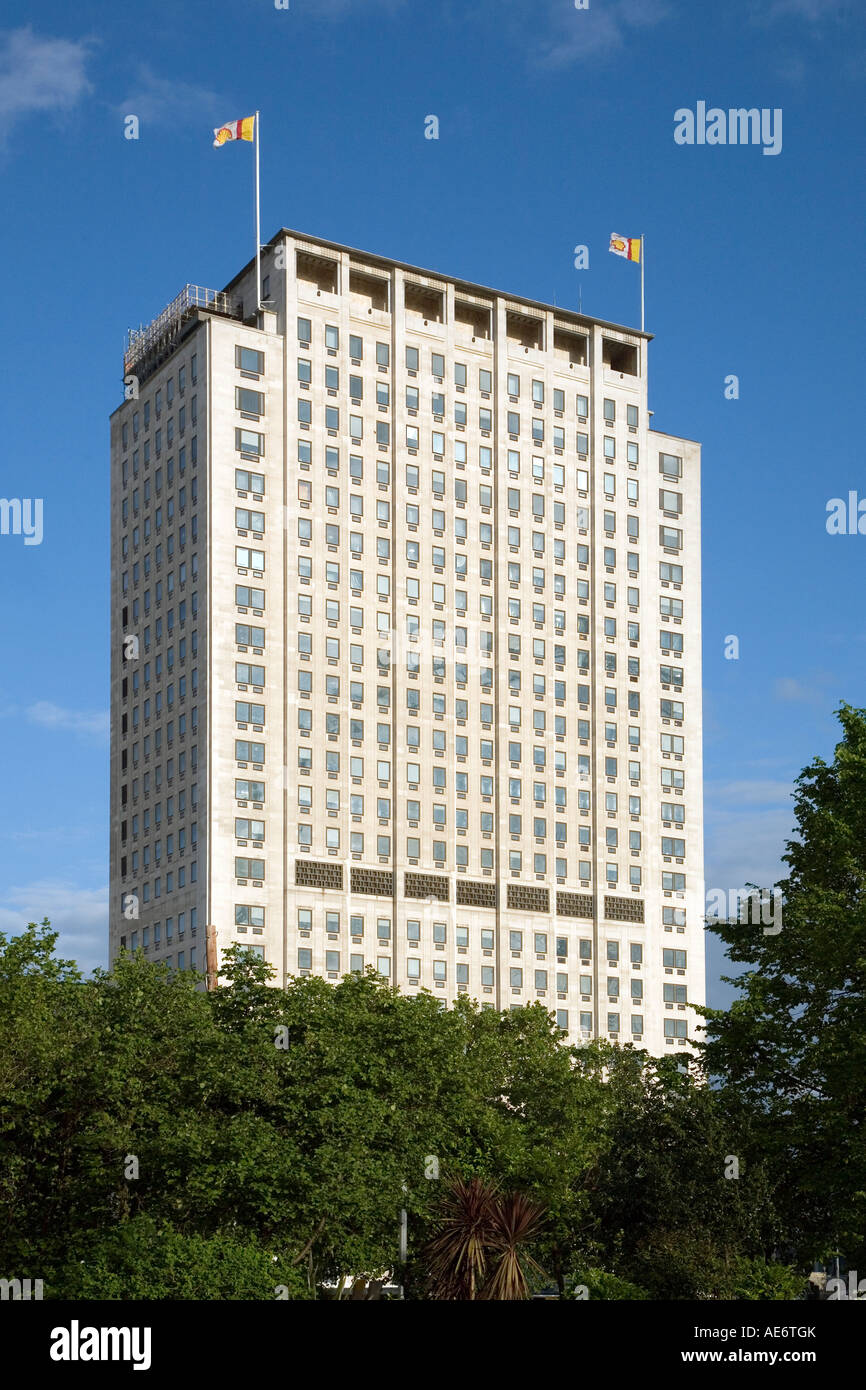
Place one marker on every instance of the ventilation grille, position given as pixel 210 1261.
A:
pixel 312 873
pixel 523 898
pixel 623 909
pixel 575 905
pixel 428 886
pixel 471 894
pixel 377 882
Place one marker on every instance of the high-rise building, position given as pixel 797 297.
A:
pixel 405 645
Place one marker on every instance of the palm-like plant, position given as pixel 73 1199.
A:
pixel 456 1257
pixel 515 1222
pixel 477 1250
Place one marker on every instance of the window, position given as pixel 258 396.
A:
pixel 249 868
pixel 246 520
pixel 245 916
pixel 249 442
pixel 249 360
pixel 250 402
pixel 246 713
pixel 248 752
pixel 249 482
pixel 246 790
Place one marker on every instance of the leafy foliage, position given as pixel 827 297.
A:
pixel 158 1140
pixel 793 1046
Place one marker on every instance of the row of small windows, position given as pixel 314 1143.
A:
pixel 539 942
pixel 170 885
pixel 169 506
pixel 153 935
pixel 671 778
pixel 461 371
pixel 252 442
pixel 145 415
pixel 169 467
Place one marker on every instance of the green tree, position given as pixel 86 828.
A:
pixel 666 1211
pixel 792 1047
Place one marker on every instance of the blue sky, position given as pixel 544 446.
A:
pixel 556 128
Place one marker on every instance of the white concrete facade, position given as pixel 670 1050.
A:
pixel 471 572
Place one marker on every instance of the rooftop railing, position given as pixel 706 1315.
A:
pixel 160 335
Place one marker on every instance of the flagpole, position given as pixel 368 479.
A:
pixel 642 269
pixel 258 226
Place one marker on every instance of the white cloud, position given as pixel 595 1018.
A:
pixel 51 716
pixel 334 9
pixel 813 691
pixel 746 793
pixel 575 35
pixel 40 74
pixel 551 32
pixel 746 827
pixel 812 10
pixel 79 914
pixel 743 849
pixel 164 101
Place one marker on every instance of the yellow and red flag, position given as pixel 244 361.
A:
pixel 244 129
pixel 629 247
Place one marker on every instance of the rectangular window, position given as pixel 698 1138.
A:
pixel 249 360
pixel 250 442
pixel 250 402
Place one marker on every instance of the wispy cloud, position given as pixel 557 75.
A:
pixel 79 914
pixel 575 35
pixel 812 10
pixel 164 100
pixel 51 716
pixel 334 9
pixel 746 848
pixel 747 824
pixel 40 74
pixel 551 33
pixel 813 691
pixel 746 793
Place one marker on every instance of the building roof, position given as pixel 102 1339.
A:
pixel 386 261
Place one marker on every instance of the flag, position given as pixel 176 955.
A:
pixel 244 129
pixel 629 247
